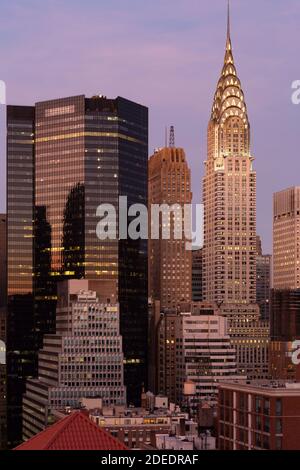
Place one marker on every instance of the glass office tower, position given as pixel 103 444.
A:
pixel 21 340
pixel 66 157
pixel 90 151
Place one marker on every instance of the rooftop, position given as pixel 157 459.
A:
pixel 270 386
pixel 76 431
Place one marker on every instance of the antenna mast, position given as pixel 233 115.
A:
pixel 172 137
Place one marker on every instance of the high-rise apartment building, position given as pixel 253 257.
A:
pixel 84 359
pixel 229 195
pixel 170 262
pixel 197 269
pixel 286 239
pixel 66 157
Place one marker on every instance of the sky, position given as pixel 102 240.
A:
pixel 167 55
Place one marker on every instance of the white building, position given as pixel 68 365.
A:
pixel 207 357
pixel 83 359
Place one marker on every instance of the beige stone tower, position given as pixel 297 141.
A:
pixel 286 238
pixel 229 196
pixel 170 263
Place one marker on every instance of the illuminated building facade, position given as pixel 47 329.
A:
pixel 229 268
pixel 285 298
pixel 65 157
pixel 229 195
pixel 170 263
pixel 286 239
pixel 90 152
pixel 21 341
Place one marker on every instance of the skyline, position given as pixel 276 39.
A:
pixel 156 78
pixel 150 263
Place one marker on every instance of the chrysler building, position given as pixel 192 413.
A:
pixel 229 196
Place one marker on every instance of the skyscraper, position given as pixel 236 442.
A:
pixel 84 359
pixel 285 298
pixel 3 413
pixel 66 157
pixel 22 343
pixel 229 195
pixel 286 239
pixel 285 329
pixel 90 152
pixel 170 263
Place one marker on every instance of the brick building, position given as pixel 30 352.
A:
pixel 259 415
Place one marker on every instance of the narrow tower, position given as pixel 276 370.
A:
pixel 229 270
pixel 170 263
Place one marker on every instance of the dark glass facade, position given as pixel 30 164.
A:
pixel 285 329
pixel 133 256
pixel 3 261
pixel 263 285
pixel 64 158
pixel 285 315
pixel 197 268
pixel 90 151
pixel 21 342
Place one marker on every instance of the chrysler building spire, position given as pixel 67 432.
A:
pixel 228 22
pixel 229 103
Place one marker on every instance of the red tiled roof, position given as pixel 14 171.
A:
pixel 74 432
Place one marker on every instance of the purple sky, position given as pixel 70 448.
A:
pixel 166 54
